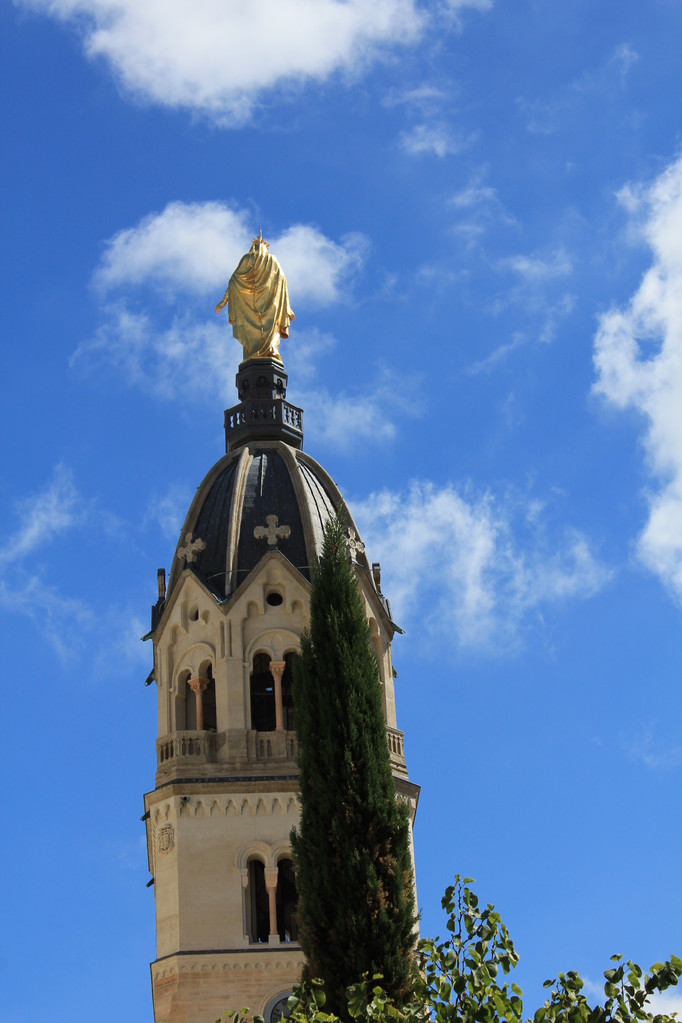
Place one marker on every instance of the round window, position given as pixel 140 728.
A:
pixel 277 1008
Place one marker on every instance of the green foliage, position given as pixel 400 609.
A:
pixel 351 850
pixel 462 981
pixel 462 976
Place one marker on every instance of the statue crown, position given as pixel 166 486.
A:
pixel 259 244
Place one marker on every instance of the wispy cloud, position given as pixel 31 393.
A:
pixel 474 196
pixel 478 207
pixel 537 289
pixel 68 623
pixel 421 97
pixel 623 59
pixel 188 355
pixel 485 566
pixel 548 114
pixel 224 59
pixel 497 356
pixel 63 621
pixel 432 139
pixel 342 419
pixel 43 516
pixel 168 510
pixel 648 749
pixel 638 362
pixel 537 269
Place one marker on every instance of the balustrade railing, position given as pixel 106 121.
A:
pixel 395 743
pixel 276 745
pixel 185 746
pixel 193 746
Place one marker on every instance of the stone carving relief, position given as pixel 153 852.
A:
pixel 166 838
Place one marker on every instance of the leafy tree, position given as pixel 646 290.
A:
pixel 462 981
pixel 353 866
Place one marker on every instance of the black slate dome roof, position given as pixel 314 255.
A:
pixel 264 495
pixel 237 496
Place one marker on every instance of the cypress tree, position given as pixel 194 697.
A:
pixel 351 850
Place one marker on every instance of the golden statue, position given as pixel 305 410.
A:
pixel 258 299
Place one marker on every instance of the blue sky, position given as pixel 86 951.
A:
pixel 478 206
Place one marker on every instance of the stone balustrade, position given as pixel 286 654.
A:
pixel 185 746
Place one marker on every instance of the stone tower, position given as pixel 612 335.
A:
pixel 224 630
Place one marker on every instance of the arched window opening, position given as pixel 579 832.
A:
pixel 210 721
pixel 262 695
pixel 190 706
pixel 259 912
pixel 288 693
pixel 287 901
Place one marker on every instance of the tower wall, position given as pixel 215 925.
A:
pixel 225 799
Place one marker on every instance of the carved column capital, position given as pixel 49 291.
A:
pixel 277 669
pixel 198 684
pixel 271 874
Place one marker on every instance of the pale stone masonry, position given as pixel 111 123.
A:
pixel 225 798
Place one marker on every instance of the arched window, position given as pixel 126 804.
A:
pixel 287 693
pixel 259 912
pixel 262 695
pixel 190 706
pixel 287 901
pixel 210 721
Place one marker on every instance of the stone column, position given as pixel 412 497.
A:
pixel 271 875
pixel 198 686
pixel 277 670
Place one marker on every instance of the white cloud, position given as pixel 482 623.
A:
pixel 480 205
pixel 192 248
pixel 223 57
pixel 421 96
pixel 69 624
pixel 341 420
pixel 657 1003
pixel 474 195
pixel 479 567
pixel 638 360
pixel 43 516
pixel 187 247
pixel 186 253
pixel 648 749
pixel 666 1002
pixel 538 269
pixel 432 139
pixel 190 357
pixel 316 267
pixel 497 356
pixel 168 511
pixel 623 58
pixel 62 621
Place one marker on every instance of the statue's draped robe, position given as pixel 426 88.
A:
pixel 258 304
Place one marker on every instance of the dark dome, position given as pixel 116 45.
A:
pixel 243 491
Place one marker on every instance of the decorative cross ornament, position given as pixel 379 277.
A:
pixel 355 544
pixel 272 531
pixel 190 548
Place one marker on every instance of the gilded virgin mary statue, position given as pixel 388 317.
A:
pixel 257 298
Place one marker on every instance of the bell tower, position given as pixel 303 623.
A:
pixel 224 630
